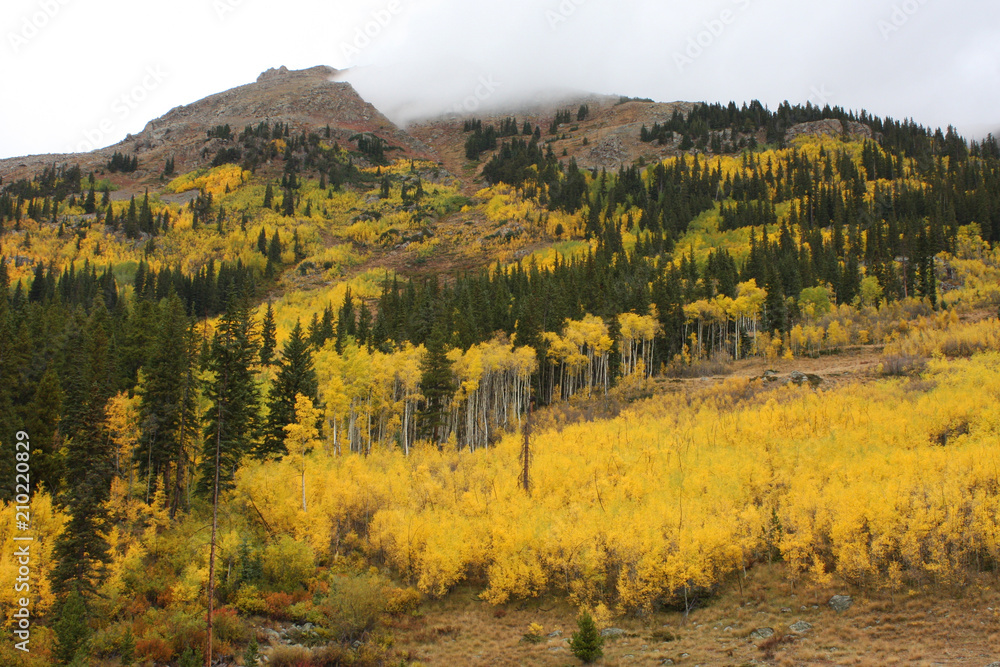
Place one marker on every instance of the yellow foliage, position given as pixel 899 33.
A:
pixel 46 523
pixel 679 491
pixel 215 181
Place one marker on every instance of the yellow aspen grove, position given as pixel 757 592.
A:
pixel 493 392
pixel 745 311
pixel 581 353
pixel 637 335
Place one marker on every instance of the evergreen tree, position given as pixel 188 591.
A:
pixel 274 249
pixel 251 657
pixel 233 418
pixel 267 337
pixel 167 397
pixel 81 549
pixel 295 376
pixel 71 628
pixel 586 643
pixel 438 385
pixel 268 198
pixel 127 649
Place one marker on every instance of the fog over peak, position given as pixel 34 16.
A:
pixel 75 68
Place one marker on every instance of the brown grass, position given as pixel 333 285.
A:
pixel 915 629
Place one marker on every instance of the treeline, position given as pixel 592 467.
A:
pixel 123 163
pixel 708 124
pixel 484 138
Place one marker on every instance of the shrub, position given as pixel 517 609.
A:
pixel 354 606
pixel 250 601
pixel 189 659
pixel 154 649
pixel 534 634
pixel 304 612
pixel 403 600
pixel 279 604
pixel 586 642
pixel 288 563
pixel 897 365
pixel 290 656
pixel 227 627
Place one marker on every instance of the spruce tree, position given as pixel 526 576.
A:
pixel 295 376
pixel 267 337
pixel 586 643
pixel 251 657
pixel 127 649
pixel 71 628
pixel 437 384
pixel 81 549
pixel 233 419
pixel 274 249
pixel 132 220
pixel 167 396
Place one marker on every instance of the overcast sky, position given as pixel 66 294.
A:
pixel 82 73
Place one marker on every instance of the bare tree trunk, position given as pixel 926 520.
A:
pixel 526 453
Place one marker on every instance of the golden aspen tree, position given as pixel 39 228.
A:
pixel 302 436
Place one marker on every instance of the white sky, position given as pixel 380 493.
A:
pixel 77 73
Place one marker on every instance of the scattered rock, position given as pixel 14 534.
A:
pixel 786 610
pixel 684 655
pixel 800 627
pixel 800 378
pixel 612 633
pixel 841 602
pixel 761 633
pixel 557 633
pixel 994 664
pixel 609 153
pixel 666 661
pixel 830 127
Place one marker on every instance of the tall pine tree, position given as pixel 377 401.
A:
pixel 295 376
pixel 233 419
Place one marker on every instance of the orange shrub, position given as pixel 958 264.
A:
pixel 154 649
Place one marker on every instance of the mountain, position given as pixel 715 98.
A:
pixel 313 99
pixel 307 100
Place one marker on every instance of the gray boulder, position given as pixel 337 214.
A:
pixel 761 633
pixel 841 602
pixel 800 627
